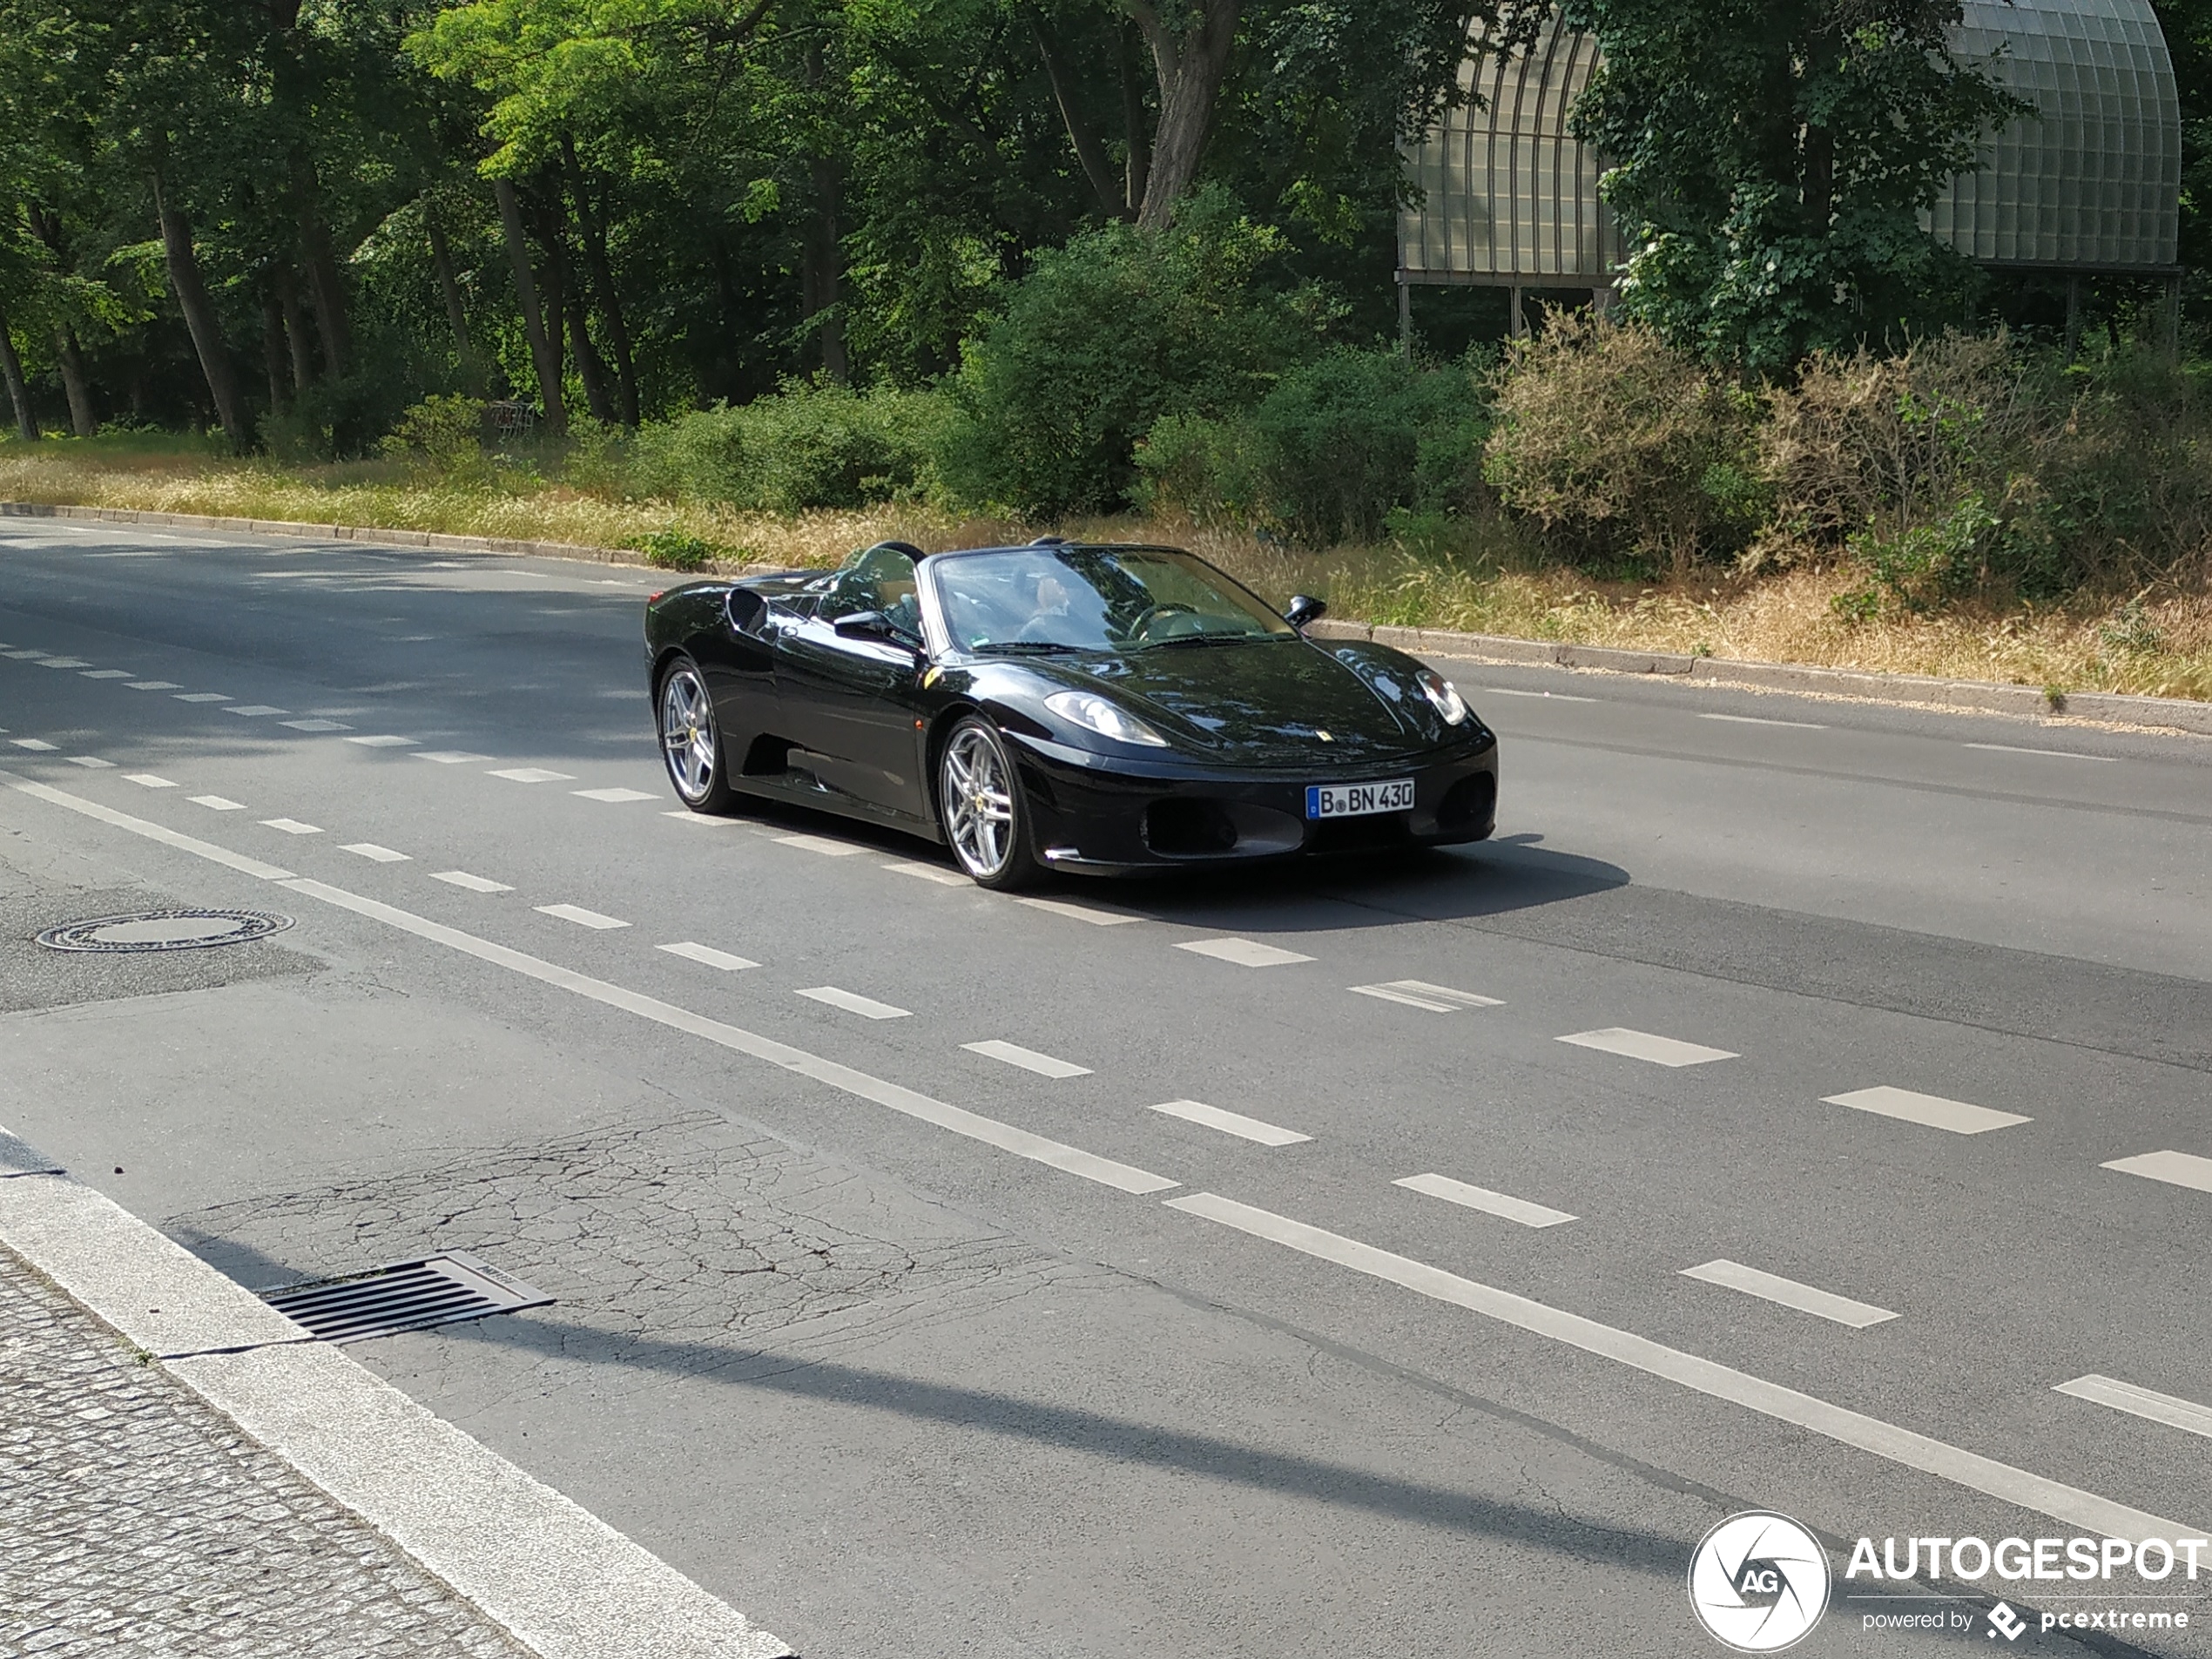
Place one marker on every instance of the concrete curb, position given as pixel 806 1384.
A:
pixel 1984 697
pixel 556 1578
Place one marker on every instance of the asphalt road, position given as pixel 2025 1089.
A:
pixel 906 1345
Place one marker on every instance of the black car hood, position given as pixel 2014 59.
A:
pixel 1264 702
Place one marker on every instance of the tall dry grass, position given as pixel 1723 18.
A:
pixel 2159 643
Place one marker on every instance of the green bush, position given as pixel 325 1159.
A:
pixel 1622 449
pixel 812 444
pixel 1336 448
pixel 671 549
pixel 1105 337
pixel 442 434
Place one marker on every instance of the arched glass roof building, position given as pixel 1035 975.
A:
pixel 1509 197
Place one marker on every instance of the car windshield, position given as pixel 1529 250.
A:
pixel 1038 600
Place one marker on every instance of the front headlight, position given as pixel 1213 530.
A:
pixel 1444 697
pixel 1108 719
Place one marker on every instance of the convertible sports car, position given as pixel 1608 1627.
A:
pixel 1101 709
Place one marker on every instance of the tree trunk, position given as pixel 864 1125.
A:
pixel 602 282
pixel 18 393
pixel 544 355
pixel 328 285
pixel 449 286
pixel 1191 67
pixel 821 278
pixel 591 367
pixel 69 357
pixel 205 328
pixel 1136 129
pixel 1097 166
pixel 275 351
pixel 295 327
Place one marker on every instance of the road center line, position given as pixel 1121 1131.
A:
pixel 1885 1440
pixel 160 833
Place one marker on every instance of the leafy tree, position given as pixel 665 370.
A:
pixel 1770 161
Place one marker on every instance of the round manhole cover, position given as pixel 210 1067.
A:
pixel 163 930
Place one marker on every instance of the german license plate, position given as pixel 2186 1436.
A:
pixel 1358 800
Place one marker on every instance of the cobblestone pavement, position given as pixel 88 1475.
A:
pixel 136 1521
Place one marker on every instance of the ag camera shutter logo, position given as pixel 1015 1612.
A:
pixel 1758 1582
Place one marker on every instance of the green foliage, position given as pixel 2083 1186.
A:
pixel 1770 161
pixel 1107 336
pixel 1924 567
pixel 1619 447
pixel 671 549
pixel 813 444
pixel 1335 448
pixel 442 435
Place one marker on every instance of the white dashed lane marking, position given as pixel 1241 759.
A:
pixel 218 803
pixel 1244 952
pixel 820 844
pixel 610 795
pixel 533 775
pixel 708 956
pixel 255 711
pixel 1642 1045
pixel 147 780
pixel 448 757
pixel 65 662
pixel 1078 912
pixel 1932 1111
pixel 1251 1129
pixel 473 883
pixel 382 740
pixel 2053 754
pixel 37 746
pixel 1014 1053
pixel 578 915
pixel 704 821
pixel 376 854
pixel 155 685
pixel 2176 1169
pixel 1805 1299
pixel 936 873
pixel 23 656
pixel 1419 994
pixel 203 697
pixel 853 1002
pixel 1753 719
pixel 91 763
pixel 2142 1402
pixel 1557 697
pixel 315 725
pixel 1502 1205
pixel 290 826
pixel 110 673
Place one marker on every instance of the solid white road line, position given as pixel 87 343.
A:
pixel 533 775
pixel 1502 1205
pixel 853 1003
pixel 1077 912
pixel 1020 1142
pixel 2055 754
pixel 377 854
pixel 2179 1169
pixel 147 779
pixel 1932 1110
pixel 1252 1129
pixel 708 956
pixel 255 710
pixel 1641 1045
pixel 382 740
pixel 204 697
pixel 1245 952
pixel 1028 1059
pixel 820 844
pixel 936 873
pixel 1419 994
pixel 216 803
pixel 1753 719
pixel 154 686
pixel 1886 1440
pixel 290 826
pixel 2141 1402
pixel 315 725
pixel 448 757
pixel 612 795
pixel 151 831
pixel 578 915
pixel 37 746
pixel 90 763
pixel 1804 1298
pixel 1508 690
pixel 473 883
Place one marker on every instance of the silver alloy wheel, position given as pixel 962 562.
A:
pixel 978 797
pixel 687 734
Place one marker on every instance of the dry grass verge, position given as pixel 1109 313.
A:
pixel 2159 645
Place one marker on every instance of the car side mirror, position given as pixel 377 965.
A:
pixel 1304 609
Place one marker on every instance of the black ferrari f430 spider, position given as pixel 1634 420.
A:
pixel 1063 706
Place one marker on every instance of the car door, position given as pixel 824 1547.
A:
pixel 846 703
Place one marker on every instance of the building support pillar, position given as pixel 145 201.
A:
pixel 1404 315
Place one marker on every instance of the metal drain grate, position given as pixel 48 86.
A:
pixel 403 1296
pixel 163 930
